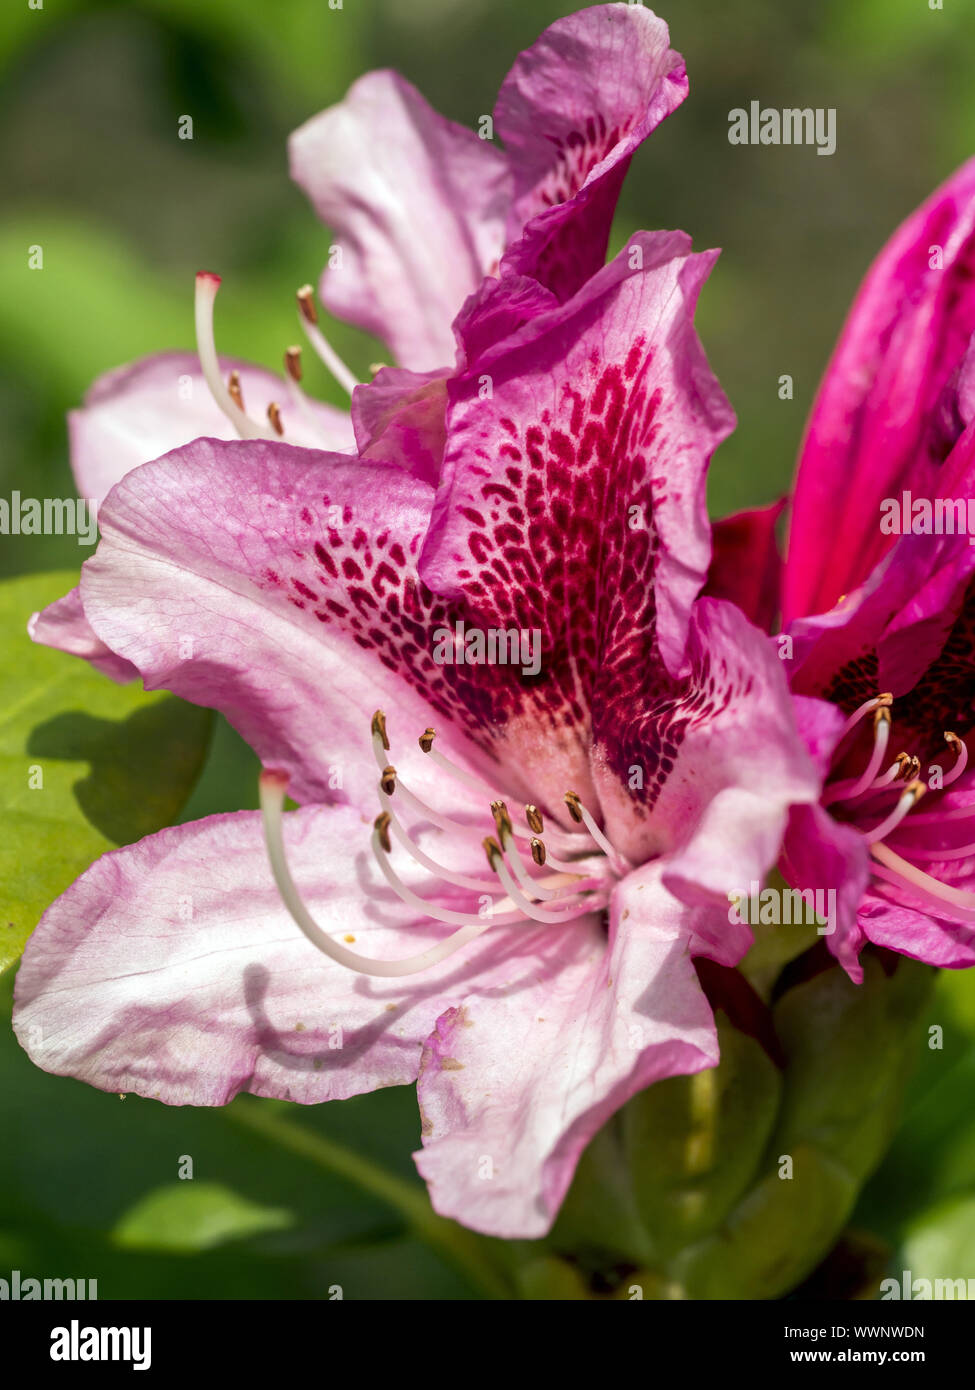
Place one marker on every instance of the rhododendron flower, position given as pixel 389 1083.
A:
pixel 423 210
pixel 529 985
pixel 883 626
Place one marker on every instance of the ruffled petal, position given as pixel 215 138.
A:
pixel 513 1085
pixel 418 205
pixel 171 969
pixel 571 112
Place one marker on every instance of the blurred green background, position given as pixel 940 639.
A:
pixel 126 212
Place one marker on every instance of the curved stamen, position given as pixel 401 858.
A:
pixel 308 318
pixel 531 885
pixel 580 907
pixel 909 798
pixel 477 885
pixel 581 816
pixel 893 869
pixel 848 791
pixel 961 752
pixel 868 707
pixel 207 285
pixel 272 786
pixel 469 779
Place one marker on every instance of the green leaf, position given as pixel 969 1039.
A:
pixel 184 1217
pixel 695 1142
pixel 85 764
pixel 941 1243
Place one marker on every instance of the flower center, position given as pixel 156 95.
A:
pixel 229 395
pixel 872 786
pixel 581 884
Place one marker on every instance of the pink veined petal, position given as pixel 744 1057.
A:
pixel 171 969
pixel 513 1085
pixel 417 204
pixel 138 412
pixel 280 587
pixel 401 416
pixel 878 424
pixel 746 566
pixel 571 112
pixel 587 457
pixel 63 625
pixel 723 761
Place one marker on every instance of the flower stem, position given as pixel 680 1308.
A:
pixel 464 1249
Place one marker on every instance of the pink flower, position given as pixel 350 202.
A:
pixel 530 990
pixel 894 650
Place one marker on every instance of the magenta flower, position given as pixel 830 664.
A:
pixel 529 990
pixel 894 651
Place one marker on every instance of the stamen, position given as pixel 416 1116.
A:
pixel 868 707
pixel 324 349
pixel 908 799
pixel 534 818
pixel 538 852
pixel 469 779
pixel 388 780
pixel 881 737
pixel 234 389
pixel 207 285
pixel 896 870
pixel 274 415
pixel 292 363
pixel 388 821
pixel 272 787
pixel 935 817
pixel 506 835
pixel 578 907
pixel 961 752
pixel 581 816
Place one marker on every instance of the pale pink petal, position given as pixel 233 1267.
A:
pixel 417 204
pixel 171 969
pixel 515 1083
pixel 138 412
pixel 63 625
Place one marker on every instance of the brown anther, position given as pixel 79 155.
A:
pixel 917 790
pixel 274 415
pixel 426 739
pixel 534 818
pixel 903 762
pixel 379 727
pixel 913 770
pixel 234 391
pixel 306 304
pixel 388 780
pixel 575 806
pixel 381 827
pixel 953 741
pixel 501 819
pixel 881 715
pixel 493 851
pixel 292 363
pixel 538 852
pixel 885 699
